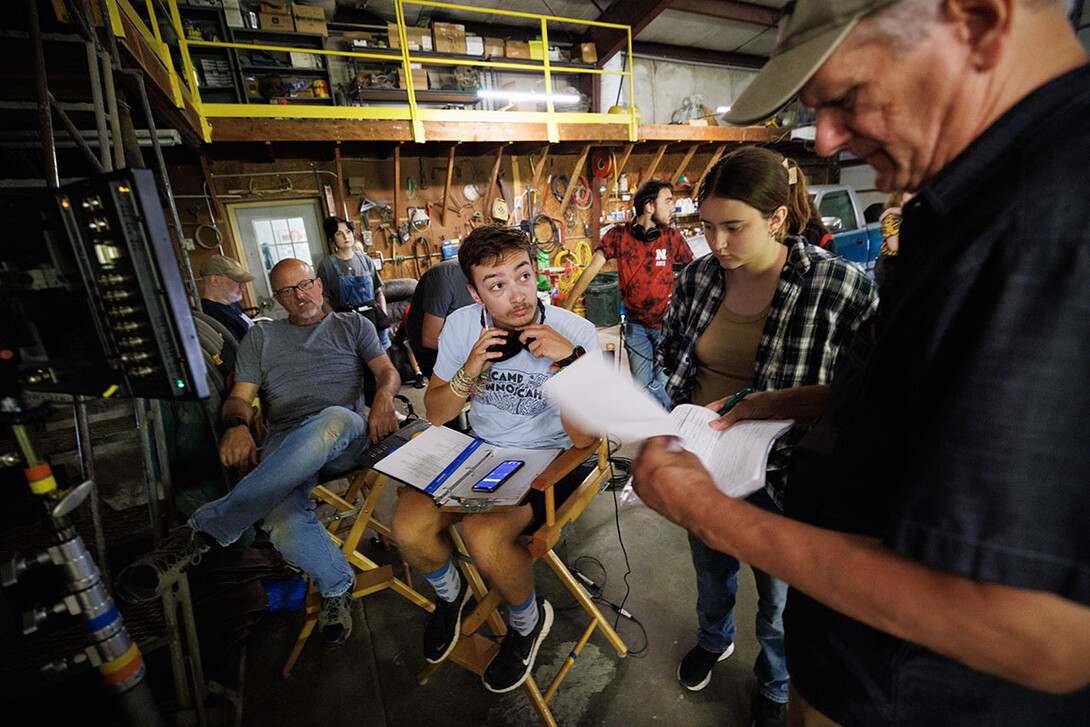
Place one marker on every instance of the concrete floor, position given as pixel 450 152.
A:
pixel 639 559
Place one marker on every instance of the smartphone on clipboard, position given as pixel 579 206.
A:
pixel 499 474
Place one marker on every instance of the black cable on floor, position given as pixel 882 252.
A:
pixel 595 589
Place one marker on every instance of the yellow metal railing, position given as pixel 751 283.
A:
pixel 188 87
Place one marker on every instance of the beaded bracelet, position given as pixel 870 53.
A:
pixel 464 385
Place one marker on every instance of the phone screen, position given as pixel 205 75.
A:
pixel 497 476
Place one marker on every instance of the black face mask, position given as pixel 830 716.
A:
pixel 511 345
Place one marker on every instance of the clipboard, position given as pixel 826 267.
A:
pixel 445 464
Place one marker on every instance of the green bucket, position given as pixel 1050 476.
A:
pixel 603 300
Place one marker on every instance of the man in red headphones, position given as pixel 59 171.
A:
pixel 646 249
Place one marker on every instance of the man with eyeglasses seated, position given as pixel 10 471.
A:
pixel 310 370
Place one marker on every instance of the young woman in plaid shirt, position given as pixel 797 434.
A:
pixel 766 311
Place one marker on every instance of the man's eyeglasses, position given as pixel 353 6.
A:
pixel 304 285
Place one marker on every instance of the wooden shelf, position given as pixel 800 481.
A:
pixel 286 34
pixel 290 99
pixel 426 95
pixel 283 70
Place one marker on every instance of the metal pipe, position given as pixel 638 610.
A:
pixel 87 468
pixel 100 110
pixel 81 12
pixel 45 118
pixel 74 134
pixel 111 105
pixel 164 178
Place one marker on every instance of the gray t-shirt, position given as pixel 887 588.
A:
pixel 441 291
pixel 304 369
pixel 511 411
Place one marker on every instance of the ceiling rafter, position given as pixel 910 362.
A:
pixel 635 13
pixel 699 55
pixel 737 11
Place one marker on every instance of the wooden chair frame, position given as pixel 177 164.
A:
pixel 371 577
pixel 474 650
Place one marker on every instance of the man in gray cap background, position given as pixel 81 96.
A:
pixel 936 538
pixel 223 281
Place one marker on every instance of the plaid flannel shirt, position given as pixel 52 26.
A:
pixel 820 300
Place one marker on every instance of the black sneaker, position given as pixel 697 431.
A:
pixel 441 633
pixel 695 669
pixel 766 713
pixel 147 577
pixel 335 619
pixel 419 381
pixel 515 659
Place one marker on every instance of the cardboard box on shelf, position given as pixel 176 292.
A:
pixel 309 19
pixel 474 45
pixel 420 79
pixel 276 21
pixel 516 49
pixel 448 37
pixel 493 48
pixel 416 38
pixel 589 52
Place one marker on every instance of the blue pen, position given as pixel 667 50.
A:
pixel 729 403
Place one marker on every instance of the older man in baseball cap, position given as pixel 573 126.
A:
pixel 223 281
pixel 936 538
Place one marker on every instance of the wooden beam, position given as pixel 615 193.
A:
pixel 539 169
pixel 684 163
pixel 711 163
pixel 655 162
pixel 446 188
pixel 307 131
pixel 635 13
pixel 492 183
pixel 338 192
pixel 397 189
pixel 699 55
pixel 729 10
pixel 573 180
pixel 621 164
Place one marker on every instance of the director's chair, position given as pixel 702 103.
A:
pixel 371 577
pixel 475 650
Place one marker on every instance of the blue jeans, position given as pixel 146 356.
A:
pixel 717 589
pixel 641 344
pixel 278 492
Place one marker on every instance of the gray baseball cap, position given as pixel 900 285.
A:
pixel 220 265
pixel 810 34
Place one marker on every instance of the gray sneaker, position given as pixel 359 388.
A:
pixel 335 619
pixel 147 577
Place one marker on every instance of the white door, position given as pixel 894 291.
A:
pixel 271 232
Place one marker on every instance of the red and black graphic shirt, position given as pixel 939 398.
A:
pixel 645 270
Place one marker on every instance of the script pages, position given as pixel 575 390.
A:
pixel 736 457
pixel 447 464
pixel 604 402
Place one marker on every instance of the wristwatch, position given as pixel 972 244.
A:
pixel 235 422
pixel 576 353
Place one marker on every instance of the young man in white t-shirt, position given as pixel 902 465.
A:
pixel 497 352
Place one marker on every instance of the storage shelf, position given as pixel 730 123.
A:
pixel 279 33
pixel 284 70
pixel 423 56
pixel 291 99
pixel 428 95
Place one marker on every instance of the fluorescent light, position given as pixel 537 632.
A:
pixel 722 109
pixel 512 96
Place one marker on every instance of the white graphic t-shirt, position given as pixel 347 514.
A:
pixel 512 411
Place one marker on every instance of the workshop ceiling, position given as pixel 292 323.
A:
pixel 714 31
